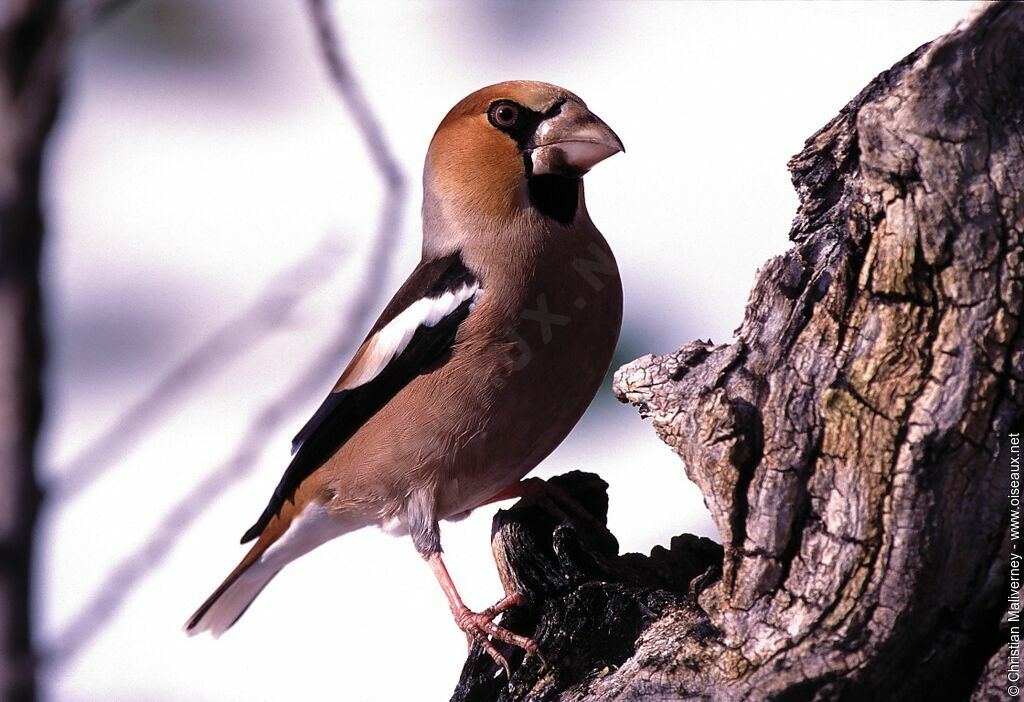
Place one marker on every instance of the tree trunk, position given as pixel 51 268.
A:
pixel 853 444
pixel 32 52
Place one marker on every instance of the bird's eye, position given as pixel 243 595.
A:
pixel 504 115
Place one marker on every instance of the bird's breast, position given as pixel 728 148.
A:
pixel 546 357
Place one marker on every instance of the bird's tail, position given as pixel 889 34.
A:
pixel 285 539
pixel 230 600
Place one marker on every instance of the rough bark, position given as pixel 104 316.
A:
pixel 851 443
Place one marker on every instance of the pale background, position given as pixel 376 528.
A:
pixel 202 151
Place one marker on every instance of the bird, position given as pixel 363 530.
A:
pixel 479 366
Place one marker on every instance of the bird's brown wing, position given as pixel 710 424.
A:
pixel 415 331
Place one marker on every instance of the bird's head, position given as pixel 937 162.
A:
pixel 510 147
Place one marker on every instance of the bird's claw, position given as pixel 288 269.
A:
pixel 479 627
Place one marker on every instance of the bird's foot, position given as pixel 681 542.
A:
pixel 478 626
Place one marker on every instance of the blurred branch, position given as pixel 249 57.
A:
pixel 242 333
pixel 277 300
pixel 125 577
pixel 45 67
pixel 367 123
pixel 36 39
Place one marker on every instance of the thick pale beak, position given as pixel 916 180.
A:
pixel 572 142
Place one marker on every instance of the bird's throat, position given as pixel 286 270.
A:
pixel 555 196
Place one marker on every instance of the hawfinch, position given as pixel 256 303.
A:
pixel 480 365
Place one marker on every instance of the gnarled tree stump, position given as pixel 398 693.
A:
pixel 851 443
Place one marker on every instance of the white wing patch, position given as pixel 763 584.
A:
pixel 393 339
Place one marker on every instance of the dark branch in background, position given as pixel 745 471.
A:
pixel 316 380
pixel 241 334
pixel 45 64
pixel 35 40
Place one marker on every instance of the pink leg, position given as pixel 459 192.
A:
pixel 478 626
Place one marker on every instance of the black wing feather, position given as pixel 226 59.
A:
pixel 343 412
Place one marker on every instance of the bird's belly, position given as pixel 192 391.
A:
pixel 534 402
